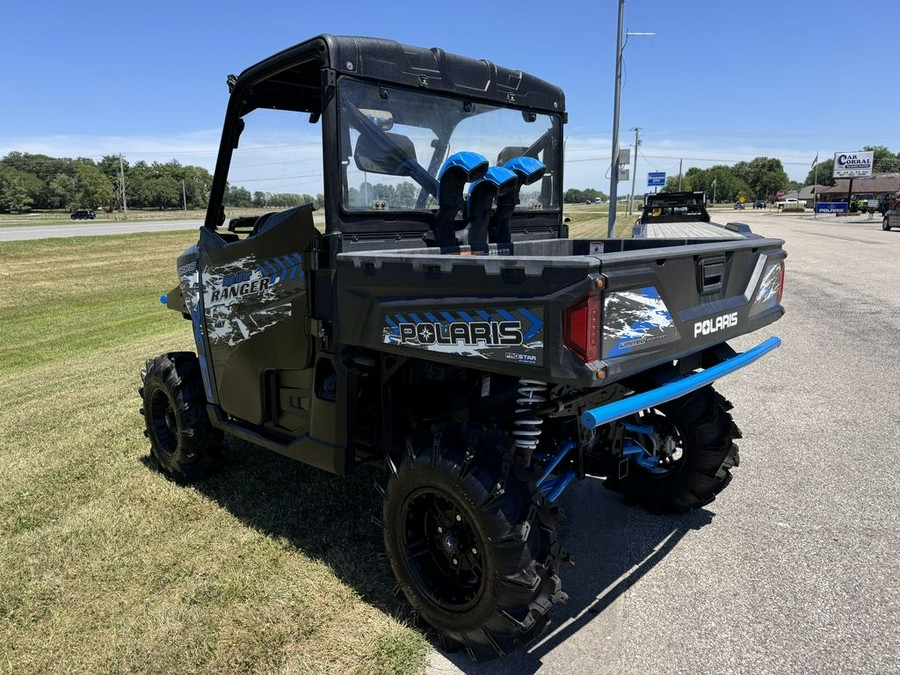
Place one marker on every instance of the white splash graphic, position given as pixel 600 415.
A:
pixel 768 288
pixel 227 317
pixel 634 319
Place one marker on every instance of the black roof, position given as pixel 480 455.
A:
pixel 390 62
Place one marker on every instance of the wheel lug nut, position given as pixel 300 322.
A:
pixel 455 561
pixel 474 551
pixel 440 529
pixel 458 518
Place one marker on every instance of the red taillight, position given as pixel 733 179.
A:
pixel 781 283
pixel 581 328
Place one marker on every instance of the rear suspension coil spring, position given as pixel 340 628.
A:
pixel 527 432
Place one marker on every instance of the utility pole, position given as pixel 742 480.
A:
pixel 816 186
pixel 715 185
pixel 637 144
pixel 680 162
pixel 183 195
pixel 122 183
pixel 614 166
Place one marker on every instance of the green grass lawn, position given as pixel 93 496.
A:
pixel 106 566
pixel 588 221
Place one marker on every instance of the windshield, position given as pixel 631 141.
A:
pixel 394 143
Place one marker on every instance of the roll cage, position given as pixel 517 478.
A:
pixel 305 78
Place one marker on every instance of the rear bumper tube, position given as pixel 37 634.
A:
pixel 604 414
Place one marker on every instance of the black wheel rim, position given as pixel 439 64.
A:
pixel 666 444
pixel 163 423
pixel 442 551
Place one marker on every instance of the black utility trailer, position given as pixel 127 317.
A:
pixel 443 325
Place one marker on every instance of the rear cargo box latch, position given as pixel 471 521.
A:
pixel 711 274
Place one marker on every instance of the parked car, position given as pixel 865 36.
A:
pixel 891 218
pixel 82 214
pixel 885 204
pixel 791 204
pixel 759 204
pixel 863 202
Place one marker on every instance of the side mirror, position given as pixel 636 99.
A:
pixel 390 154
pixel 382 119
pixel 509 152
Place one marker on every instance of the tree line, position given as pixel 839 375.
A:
pixel 760 178
pixel 763 177
pixel 589 196
pixel 33 181
pixel 237 196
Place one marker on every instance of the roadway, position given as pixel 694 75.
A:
pixel 93 228
pixel 794 568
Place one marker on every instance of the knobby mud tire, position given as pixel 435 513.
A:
pixel 182 440
pixel 709 453
pixel 469 477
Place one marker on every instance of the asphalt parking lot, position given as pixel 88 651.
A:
pixel 794 568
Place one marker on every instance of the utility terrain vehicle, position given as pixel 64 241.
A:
pixel 674 207
pixel 443 325
pixel 677 211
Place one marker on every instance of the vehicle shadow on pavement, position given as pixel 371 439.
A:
pixel 333 519
pixel 614 546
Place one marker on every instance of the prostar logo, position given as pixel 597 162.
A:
pixel 715 324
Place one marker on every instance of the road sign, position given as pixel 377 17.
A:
pixel 656 179
pixel 742 199
pixel 853 164
pixel 779 194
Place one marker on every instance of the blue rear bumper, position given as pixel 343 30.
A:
pixel 628 406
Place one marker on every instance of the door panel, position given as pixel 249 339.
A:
pixel 256 308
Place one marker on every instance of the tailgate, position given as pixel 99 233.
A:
pixel 667 303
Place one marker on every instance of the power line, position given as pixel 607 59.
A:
pixel 651 131
pixel 287 161
pixel 274 178
pixel 686 158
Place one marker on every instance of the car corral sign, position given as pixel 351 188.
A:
pixel 853 164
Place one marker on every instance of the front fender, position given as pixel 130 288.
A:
pixel 174 300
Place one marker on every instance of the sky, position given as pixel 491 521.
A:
pixel 721 81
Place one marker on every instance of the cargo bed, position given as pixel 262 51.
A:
pixel 657 300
